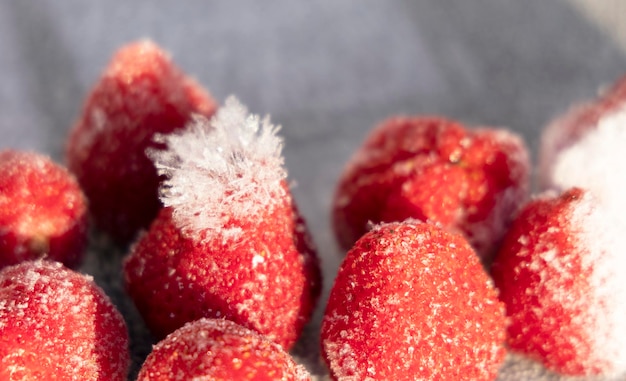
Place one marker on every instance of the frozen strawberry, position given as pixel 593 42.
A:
pixel 141 93
pixel 560 274
pixel 569 134
pixel 594 162
pixel 229 243
pixel 412 301
pixel 43 212
pixel 433 169
pixel 56 324
pixel 218 349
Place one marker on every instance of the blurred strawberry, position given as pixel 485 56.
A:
pixel 43 212
pixel 435 170
pixel 573 126
pixel 141 93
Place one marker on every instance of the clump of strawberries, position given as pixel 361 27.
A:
pixel 234 247
pixel 557 269
pixel 448 264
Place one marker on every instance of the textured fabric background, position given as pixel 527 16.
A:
pixel 327 71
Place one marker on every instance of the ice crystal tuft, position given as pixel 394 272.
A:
pixel 220 171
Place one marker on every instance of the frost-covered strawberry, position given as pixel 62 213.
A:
pixel 229 243
pixel 43 212
pixel 560 274
pixel 589 133
pixel 56 324
pixel 595 162
pixel 412 301
pixel 140 93
pixel 218 349
pixel 433 169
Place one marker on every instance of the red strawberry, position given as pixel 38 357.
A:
pixel 43 212
pixel 559 272
pixel 412 301
pixel 570 128
pixel 433 169
pixel 212 349
pixel 141 93
pixel 230 243
pixel 56 324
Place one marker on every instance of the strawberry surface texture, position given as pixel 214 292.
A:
pixel 219 350
pixel 411 301
pixel 56 324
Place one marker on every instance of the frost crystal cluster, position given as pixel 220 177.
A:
pixel 230 167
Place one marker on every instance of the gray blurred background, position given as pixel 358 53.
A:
pixel 327 71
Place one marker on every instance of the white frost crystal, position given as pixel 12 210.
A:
pixel 228 168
